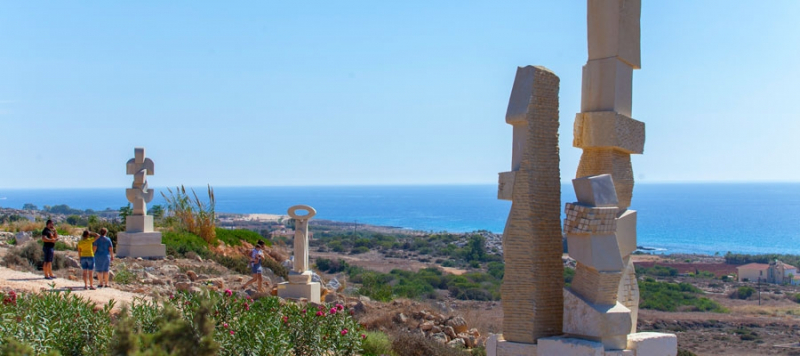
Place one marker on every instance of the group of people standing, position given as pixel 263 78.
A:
pixel 95 250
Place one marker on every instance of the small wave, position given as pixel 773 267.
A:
pixel 645 248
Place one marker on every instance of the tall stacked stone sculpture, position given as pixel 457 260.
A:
pixel 139 238
pixel 300 284
pixel 532 246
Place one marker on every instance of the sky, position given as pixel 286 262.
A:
pixel 350 93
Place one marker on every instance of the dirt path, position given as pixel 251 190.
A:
pixel 30 282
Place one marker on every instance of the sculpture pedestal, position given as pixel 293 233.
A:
pixel 638 344
pixel 310 291
pixel 140 244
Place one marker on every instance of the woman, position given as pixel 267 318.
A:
pixel 256 256
pixel 86 254
pixel 103 256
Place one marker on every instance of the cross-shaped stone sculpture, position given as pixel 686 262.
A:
pixel 139 238
pixel 140 167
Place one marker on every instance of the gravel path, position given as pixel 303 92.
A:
pixel 26 281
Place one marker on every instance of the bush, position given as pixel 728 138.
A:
pixel 669 296
pixel 377 344
pixel 359 249
pixel 331 266
pixel 235 237
pixel 31 254
pixel 743 292
pixel 180 243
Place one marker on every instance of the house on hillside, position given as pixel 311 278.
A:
pixel 752 272
pixel 775 272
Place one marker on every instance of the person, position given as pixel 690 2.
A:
pixel 103 256
pixel 256 256
pixel 49 238
pixel 86 254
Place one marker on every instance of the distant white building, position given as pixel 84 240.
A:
pixel 775 272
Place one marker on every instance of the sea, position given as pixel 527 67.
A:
pixel 707 218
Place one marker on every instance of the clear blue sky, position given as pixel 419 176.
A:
pixel 374 92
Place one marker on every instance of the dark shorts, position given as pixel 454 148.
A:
pixel 48 254
pixel 255 269
pixel 87 263
pixel 101 264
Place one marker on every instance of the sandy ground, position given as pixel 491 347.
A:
pixel 26 281
pixel 265 217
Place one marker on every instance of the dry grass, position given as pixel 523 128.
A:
pixel 24 226
pixel 484 319
pixel 194 215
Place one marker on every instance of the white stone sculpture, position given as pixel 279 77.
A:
pixel 139 238
pixel 300 284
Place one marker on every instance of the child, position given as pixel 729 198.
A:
pixel 103 256
pixel 86 253
pixel 255 265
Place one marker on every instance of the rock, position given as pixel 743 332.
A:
pixel 23 238
pixel 180 277
pixel 72 278
pixel 170 258
pixel 331 297
pixel 72 263
pixel 315 277
pixel 360 307
pixel 238 279
pixel 170 269
pixel 198 258
pixel 426 326
pixel 400 318
pixel 448 330
pixel 202 277
pixel 436 330
pixel 429 317
pixel 459 324
pixel 457 343
pixel 364 298
pixel 183 286
pixel 111 275
pixel 440 338
pixel 218 282
pixel 139 259
pixel 333 284
pixel 474 332
pixel 192 276
pixel 140 290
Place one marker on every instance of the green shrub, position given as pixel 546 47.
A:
pixel 180 243
pixel 669 296
pixel 743 292
pixel 377 343
pixel 236 236
pixel 359 249
pixel 123 275
pixel 657 271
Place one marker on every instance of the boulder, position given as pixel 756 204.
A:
pixel 183 286
pixel 192 276
pixel 426 326
pixel 440 338
pixel 71 262
pixel 457 343
pixel 436 330
pixel 459 324
pixel 400 318
pixel 450 332
pixel 333 284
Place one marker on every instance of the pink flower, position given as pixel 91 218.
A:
pixel 320 313
pixel 285 319
pixel 246 306
pixel 231 332
pixel 225 325
pixel 339 307
pixel 228 292
pixel 344 332
pixel 187 302
pixel 333 310
pixel 303 312
pixel 352 312
pixel 363 336
pixel 172 296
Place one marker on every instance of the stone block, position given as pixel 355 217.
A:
pixel 309 291
pixel 600 252
pixel 607 129
pixel 628 292
pixel 614 31
pixel 608 324
pixel 596 161
pixel 653 344
pixel 598 287
pixel 626 232
pixel 502 347
pixel 505 185
pixel 583 220
pixel 522 94
pixel 620 353
pixel 140 244
pixel 607 86
pixel 139 223
pixel 596 191
pixel 567 346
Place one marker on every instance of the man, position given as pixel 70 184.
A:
pixel 103 256
pixel 49 238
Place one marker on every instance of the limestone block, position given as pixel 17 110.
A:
pixel 505 185
pixel 628 292
pixel 598 251
pixel 532 238
pixel 596 161
pixel 653 344
pixel 140 244
pixel 614 30
pixel 598 287
pixel 509 348
pixel 300 278
pixel 309 291
pixel 522 93
pixel 607 129
pixel 607 86
pixel 608 324
pixel 566 346
pixel 139 223
pixel 626 232
pixel 596 190
pixel 581 219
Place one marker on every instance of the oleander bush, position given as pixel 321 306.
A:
pixel 206 323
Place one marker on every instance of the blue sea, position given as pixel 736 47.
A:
pixel 673 218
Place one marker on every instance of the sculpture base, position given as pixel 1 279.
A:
pixel 310 291
pixel 638 344
pixel 140 244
